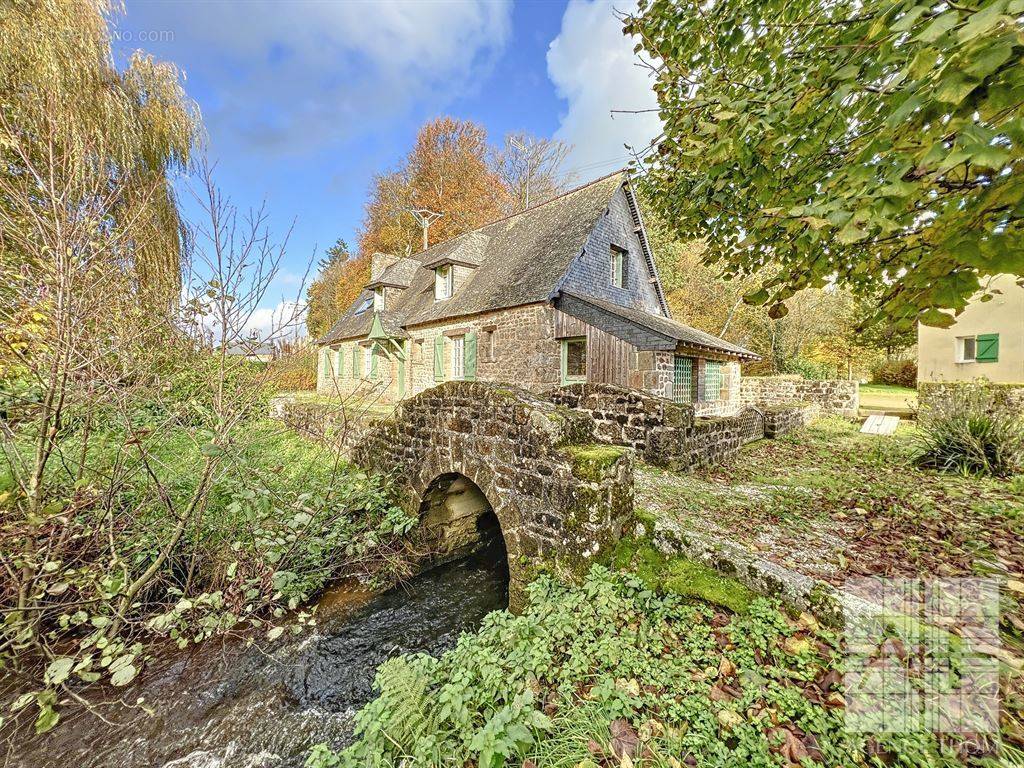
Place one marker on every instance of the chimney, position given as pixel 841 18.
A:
pixel 379 262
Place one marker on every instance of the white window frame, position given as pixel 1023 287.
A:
pixel 961 346
pixel 618 267
pixel 367 361
pixel 458 355
pixel 378 299
pixel 444 282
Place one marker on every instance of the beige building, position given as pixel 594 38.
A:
pixel 986 341
pixel 564 292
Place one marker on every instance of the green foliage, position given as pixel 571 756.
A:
pixel 898 373
pixel 279 521
pixel 808 369
pixel 877 144
pixel 611 673
pixel 970 429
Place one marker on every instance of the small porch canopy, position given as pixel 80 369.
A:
pixel 643 330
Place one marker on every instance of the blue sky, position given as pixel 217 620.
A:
pixel 304 101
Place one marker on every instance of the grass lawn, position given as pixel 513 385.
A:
pixel 886 397
pixel 833 503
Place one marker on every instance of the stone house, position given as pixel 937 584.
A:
pixel 564 292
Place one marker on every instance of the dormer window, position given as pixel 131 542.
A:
pixel 378 299
pixel 444 282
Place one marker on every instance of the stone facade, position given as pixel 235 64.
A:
pixel 833 396
pixel 560 500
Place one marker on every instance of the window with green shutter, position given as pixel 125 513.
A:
pixel 469 365
pixel 339 366
pixel 682 379
pixel 987 348
pixel 712 380
pixel 373 355
pixel 323 362
pixel 439 358
pixel 356 352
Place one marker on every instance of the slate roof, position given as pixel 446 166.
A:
pixel 644 330
pixel 521 260
pixel 514 261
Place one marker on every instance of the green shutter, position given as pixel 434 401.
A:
pixel 357 361
pixel 323 362
pixel 469 362
pixel 439 358
pixel 987 350
pixel 373 362
pixel 339 367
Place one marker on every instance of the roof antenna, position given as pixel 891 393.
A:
pixel 424 217
pixel 526 150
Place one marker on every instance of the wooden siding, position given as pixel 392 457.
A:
pixel 608 357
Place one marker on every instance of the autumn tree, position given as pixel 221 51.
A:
pixel 816 336
pixel 339 280
pixel 447 171
pixel 135 127
pixel 872 144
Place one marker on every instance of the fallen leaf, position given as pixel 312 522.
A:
pixel 808 622
pixel 796 645
pixel 726 668
pixel 729 719
pixel 625 741
pixel 1015 585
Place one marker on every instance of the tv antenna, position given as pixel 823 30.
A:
pixel 525 148
pixel 425 217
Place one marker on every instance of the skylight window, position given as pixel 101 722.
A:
pixel 365 305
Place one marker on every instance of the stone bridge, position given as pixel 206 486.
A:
pixel 551 474
pixel 463 450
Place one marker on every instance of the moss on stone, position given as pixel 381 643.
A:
pixel 680 575
pixel 591 462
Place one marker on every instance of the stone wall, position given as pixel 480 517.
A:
pixel 781 419
pixel 833 396
pixel 931 394
pixel 668 434
pixel 560 500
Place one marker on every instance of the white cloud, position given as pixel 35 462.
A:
pixel 285 321
pixel 593 67
pixel 290 76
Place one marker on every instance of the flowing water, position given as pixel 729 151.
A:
pixel 223 704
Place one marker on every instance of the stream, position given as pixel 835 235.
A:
pixel 223 704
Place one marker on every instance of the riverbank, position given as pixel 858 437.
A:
pixel 243 702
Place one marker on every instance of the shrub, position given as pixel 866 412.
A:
pixel 293 373
pixel 612 673
pixel 970 429
pixel 809 369
pixel 898 373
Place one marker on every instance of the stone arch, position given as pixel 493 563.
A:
pixel 510 515
pixel 560 500
pixel 457 519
